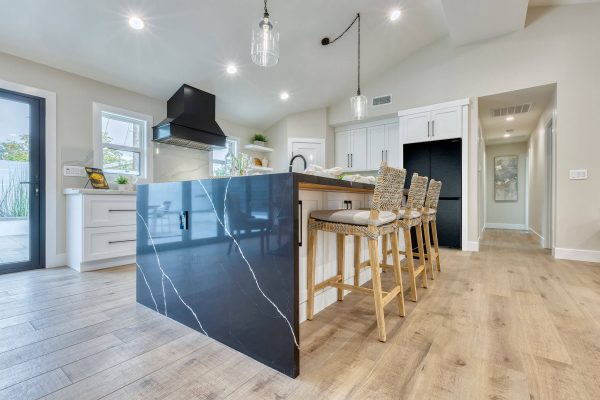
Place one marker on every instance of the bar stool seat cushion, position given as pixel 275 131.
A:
pixel 429 214
pixel 353 217
pixel 413 214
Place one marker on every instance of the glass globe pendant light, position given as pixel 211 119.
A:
pixel 265 41
pixel 358 103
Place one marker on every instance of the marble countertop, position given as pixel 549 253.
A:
pixel 98 191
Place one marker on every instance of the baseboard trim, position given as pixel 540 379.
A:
pixel 516 227
pixel 59 260
pixel 471 246
pixel 540 238
pixel 577 255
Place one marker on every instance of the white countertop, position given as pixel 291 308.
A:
pixel 98 191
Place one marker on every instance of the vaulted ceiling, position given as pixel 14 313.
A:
pixel 191 41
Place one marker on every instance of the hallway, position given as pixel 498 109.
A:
pixel 508 322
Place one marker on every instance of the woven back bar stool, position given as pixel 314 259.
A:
pixel 409 218
pixel 429 219
pixel 372 224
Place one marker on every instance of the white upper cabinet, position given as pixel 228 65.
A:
pixel 446 123
pixel 363 147
pixel 376 146
pixel 435 122
pixel 342 149
pixel 358 155
pixel 416 127
pixel 351 149
pixel 393 152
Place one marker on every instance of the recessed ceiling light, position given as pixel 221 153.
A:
pixel 232 69
pixel 510 118
pixel 136 23
pixel 395 14
pixel 507 135
pixel 284 96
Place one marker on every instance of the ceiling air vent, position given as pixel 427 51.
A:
pixel 511 110
pixel 381 100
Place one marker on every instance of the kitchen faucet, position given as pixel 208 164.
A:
pixel 293 158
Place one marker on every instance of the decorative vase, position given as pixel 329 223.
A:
pixel 259 143
pixel 122 187
pixel 264 162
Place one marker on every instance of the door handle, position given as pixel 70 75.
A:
pixel 381 155
pixel 386 155
pixel 348 160
pixel 428 128
pixel 300 223
pixel 36 189
pixel 433 128
pixel 351 160
pixel 121 241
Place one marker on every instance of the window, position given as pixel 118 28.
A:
pixel 218 157
pixel 121 139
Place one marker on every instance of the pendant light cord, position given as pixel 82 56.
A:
pixel 266 11
pixel 357 18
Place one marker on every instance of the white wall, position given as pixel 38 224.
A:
pixel 559 44
pixel 307 124
pixel 74 97
pixel 506 214
pixel 538 175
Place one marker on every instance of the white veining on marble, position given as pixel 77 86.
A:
pixel 237 245
pixel 164 275
pixel 148 285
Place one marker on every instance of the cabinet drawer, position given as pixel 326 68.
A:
pixel 109 242
pixel 107 210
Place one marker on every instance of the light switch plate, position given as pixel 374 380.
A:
pixel 73 170
pixel 577 174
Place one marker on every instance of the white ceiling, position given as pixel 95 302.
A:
pixel 472 21
pixel 536 3
pixel 191 41
pixel 494 128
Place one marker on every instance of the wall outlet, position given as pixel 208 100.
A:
pixel 578 174
pixel 74 170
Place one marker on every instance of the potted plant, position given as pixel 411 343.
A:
pixel 259 139
pixel 122 182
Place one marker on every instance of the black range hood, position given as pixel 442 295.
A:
pixel 190 121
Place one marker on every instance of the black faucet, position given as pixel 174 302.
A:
pixel 296 156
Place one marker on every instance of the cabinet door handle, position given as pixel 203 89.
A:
pixel 121 241
pixel 121 210
pixel 428 128
pixel 433 128
pixel 348 160
pixel 351 160
pixel 381 155
pixel 386 155
pixel 300 223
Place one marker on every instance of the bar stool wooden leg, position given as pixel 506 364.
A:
pixel 419 232
pixel 410 264
pixel 429 253
pixel 341 261
pixel 435 245
pixel 398 273
pixel 384 251
pixel 310 275
pixel 376 279
pixel 356 260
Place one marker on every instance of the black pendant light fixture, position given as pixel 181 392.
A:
pixel 265 41
pixel 358 103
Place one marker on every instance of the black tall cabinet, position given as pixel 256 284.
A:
pixel 442 161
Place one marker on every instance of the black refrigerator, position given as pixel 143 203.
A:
pixel 442 161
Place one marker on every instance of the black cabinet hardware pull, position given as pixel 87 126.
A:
pixel 121 241
pixel 121 210
pixel 300 223
pixel 183 220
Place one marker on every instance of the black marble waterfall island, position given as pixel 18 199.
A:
pixel 222 257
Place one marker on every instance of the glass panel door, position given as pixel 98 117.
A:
pixel 21 181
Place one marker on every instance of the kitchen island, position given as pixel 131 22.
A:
pixel 225 256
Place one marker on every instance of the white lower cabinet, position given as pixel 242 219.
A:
pixel 101 230
pixel 326 260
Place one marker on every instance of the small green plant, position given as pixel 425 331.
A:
pixel 122 180
pixel 259 137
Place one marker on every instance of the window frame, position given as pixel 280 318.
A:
pixel 211 160
pixel 146 144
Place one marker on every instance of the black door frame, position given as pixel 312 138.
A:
pixel 37 204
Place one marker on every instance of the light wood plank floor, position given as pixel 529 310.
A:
pixel 506 323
